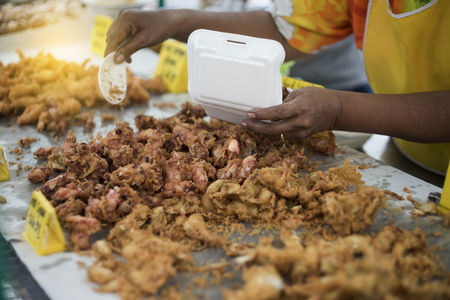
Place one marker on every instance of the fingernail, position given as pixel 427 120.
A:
pixel 120 58
pixel 244 124
pixel 251 115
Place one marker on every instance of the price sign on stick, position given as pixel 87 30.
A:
pixel 172 66
pixel 296 83
pixel 444 203
pixel 42 229
pixel 98 38
pixel 4 172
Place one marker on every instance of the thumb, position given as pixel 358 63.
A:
pixel 128 47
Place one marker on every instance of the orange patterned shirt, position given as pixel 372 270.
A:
pixel 309 25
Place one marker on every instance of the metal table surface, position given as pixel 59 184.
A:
pixel 382 148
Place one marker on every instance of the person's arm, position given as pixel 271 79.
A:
pixel 149 28
pixel 419 117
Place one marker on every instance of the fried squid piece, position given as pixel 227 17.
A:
pixel 178 175
pixel 323 142
pixel 145 175
pixel 249 202
pixel 159 140
pixel 122 156
pixel 122 135
pixel 186 175
pixel 284 156
pixel 190 113
pixel 51 186
pixel 81 160
pixel 348 173
pixel 82 190
pixel 352 211
pixel 187 137
pixel 282 180
pixel 195 228
pixel 325 182
pixel 81 228
pixel 55 162
pixel 139 216
pixel 39 174
pixel 154 85
pixel 237 168
pixel 150 262
pixel 137 92
pixel 72 207
pixel 202 172
pixel 150 122
pixel 261 283
pixel 118 202
pixel 31 114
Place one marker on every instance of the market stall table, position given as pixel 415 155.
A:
pixel 63 275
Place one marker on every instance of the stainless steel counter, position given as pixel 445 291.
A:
pixel 382 148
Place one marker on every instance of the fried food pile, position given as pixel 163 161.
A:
pixel 392 264
pixel 51 93
pixel 16 17
pixel 184 184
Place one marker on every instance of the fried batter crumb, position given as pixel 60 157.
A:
pixel 107 117
pixel 16 151
pixel 363 167
pixel 25 142
pixel 164 105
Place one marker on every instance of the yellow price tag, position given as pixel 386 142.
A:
pixel 172 66
pixel 4 172
pixel 294 84
pixel 444 203
pixel 98 38
pixel 42 229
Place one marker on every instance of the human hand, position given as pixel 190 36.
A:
pixel 303 113
pixel 141 29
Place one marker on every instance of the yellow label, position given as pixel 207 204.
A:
pixel 296 83
pixel 98 38
pixel 172 66
pixel 42 229
pixel 444 203
pixel 4 172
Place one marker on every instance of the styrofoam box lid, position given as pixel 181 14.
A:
pixel 229 74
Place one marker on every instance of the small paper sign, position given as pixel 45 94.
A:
pixel 294 84
pixel 444 203
pixel 172 66
pixel 98 38
pixel 42 229
pixel 4 172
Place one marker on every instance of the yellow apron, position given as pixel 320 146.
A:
pixel 408 53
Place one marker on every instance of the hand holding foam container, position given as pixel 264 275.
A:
pixel 229 74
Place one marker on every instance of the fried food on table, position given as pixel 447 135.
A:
pixel 183 184
pixel 21 15
pixel 51 93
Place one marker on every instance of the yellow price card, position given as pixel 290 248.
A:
pixel 294 84
pixel 444 203
pixel 172 66
pixel 42 229
pixel 4 172
pixel 98 38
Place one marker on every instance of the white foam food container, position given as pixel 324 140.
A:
pixel 229 74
